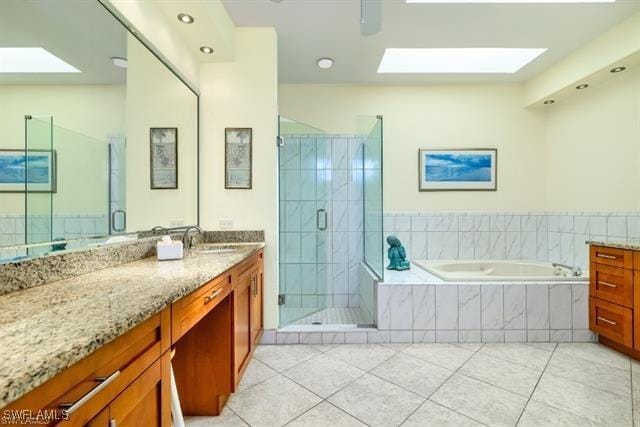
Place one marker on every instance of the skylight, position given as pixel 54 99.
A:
pixel 510 1
pixel 456 60
pixel 32 60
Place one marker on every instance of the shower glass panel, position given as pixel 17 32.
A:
pixel 80 205
pixel 305 225
pixel 39 178
pixel 371 129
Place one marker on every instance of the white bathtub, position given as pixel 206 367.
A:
pixel 497 271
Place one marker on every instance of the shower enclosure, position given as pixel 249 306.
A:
pixel 328 204
pixel 68 186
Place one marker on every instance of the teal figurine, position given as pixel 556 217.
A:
pixel 397 255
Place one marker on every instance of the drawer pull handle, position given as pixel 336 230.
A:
pixel 213 296
pixel 599 255
pixel 611 322
pixel 611 285
pixel 70 408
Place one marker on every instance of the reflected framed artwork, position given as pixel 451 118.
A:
pixel 472 169
pixel 164 158
pixel 33 171
pixel 237 158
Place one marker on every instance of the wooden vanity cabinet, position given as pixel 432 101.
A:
pixel 614 298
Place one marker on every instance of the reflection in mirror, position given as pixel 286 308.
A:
pixel 79 96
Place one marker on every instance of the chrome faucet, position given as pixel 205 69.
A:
pixel 186 242
pixel 575 270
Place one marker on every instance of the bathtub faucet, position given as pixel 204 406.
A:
pixel 575 270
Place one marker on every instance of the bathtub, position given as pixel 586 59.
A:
pixel 497 271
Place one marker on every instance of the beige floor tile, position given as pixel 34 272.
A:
pixel 283 357
pixel 413 374
pixel 538 414
pixel 473 346
pixel 548 346
pixel 445 355
pixel 273 402
pixel 325 414
pixel 226 419
pixel 432 414
pixel 256 373
pixel 480 401
pixel 396 346
pixel 522 354
pixel 376 402
pixel 504 374
pixel 324 375
pixel 599 406
pixel 590 373
pixel 362 356
pixel 595 353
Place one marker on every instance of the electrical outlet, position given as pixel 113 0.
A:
pixel 176 223
pixel 226 224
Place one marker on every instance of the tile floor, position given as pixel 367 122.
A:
pixel 544 384
pixel 333 316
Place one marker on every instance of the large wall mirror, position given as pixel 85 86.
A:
pixel 98 137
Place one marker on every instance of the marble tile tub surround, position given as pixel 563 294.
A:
pixel 540 236
pixel 568 384
pixel 57 266
pixel 46 329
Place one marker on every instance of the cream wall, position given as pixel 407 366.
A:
pixel 92 110
pixel 244 93
pixel 593 148
pixel 462 116
pixel 156 98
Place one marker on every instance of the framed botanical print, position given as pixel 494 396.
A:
pixel 164 158
pixel 237 158
pixel 458 170
pixel 32 170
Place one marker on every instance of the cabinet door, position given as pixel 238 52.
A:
pixel 241 323
pixel 256 307
pixel 147 400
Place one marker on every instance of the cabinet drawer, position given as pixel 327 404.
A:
pixel 612 321
pixel 612 256
pixel 612 284
pixel 636 261
pixel 87 387
pixel 186 312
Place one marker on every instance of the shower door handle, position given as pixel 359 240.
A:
pixel 319 213
pixel 124 220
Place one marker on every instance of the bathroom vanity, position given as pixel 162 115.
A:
pixel 614 295
pixel 99 347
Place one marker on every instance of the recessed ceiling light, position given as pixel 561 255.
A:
pixel 32 60
pixel 511 1
pixel 617 69
pixel 206 49
pixel 456 60
pixel 119 62
pixel 185 19
pixel 325 63
pixel 549 102
pixel 582 86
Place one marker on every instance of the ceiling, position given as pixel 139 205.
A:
pixel 81 33
pixel 310 29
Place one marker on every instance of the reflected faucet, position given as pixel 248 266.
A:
pixel 160 228
pixel 575 270
pixel 186 242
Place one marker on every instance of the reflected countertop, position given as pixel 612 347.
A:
pixel 631 244
pixel 48 328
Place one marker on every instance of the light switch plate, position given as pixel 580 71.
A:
pixel 226 224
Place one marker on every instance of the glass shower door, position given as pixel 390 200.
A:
pixel 304 180
pixel 40 177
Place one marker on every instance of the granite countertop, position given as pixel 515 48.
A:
pixel 633 245
pixel 48 328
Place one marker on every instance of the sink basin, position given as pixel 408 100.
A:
pixel 215 251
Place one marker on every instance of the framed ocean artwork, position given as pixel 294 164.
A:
pixel 34 169
pixel 237 155
pixel 458 170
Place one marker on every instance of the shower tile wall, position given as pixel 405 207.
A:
pixel 70 226
pixel 321 172
pixel 541 236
